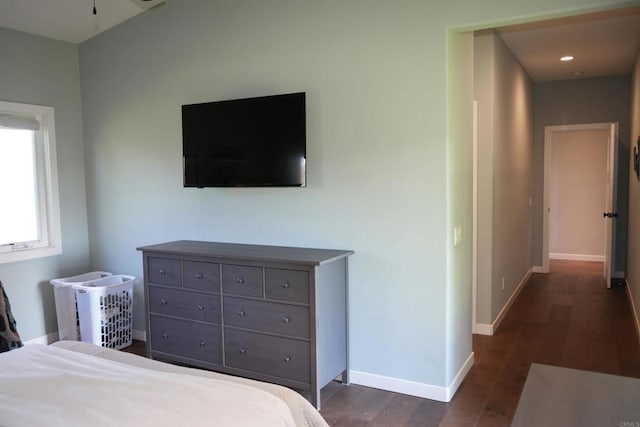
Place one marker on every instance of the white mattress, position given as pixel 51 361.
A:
pixel 77 384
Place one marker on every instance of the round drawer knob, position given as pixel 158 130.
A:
pixel 241 313
pixel 240 279
pixel 199 276
pixel 200 307
pixel 202 343
pixel 165 336
pixel 163 301
pixel 285 285
pixel 287 319
pixel 243 351
pixel 162 272
pixel 287 359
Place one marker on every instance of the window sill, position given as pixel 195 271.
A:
pixel 25 254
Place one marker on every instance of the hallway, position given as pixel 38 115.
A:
pixel 565 318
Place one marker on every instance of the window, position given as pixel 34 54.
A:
pixel 29 208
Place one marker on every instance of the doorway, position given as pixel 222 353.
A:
pixel 583 114
pixel 579 194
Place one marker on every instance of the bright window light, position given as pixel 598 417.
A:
pixel 18 186
pixel 30 209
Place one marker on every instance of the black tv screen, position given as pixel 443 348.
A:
pixel 251 142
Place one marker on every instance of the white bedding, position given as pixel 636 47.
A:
pixel 47 386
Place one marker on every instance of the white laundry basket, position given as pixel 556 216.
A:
pixel 65 299
pixel 105 310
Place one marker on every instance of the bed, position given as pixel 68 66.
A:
pixel 74 383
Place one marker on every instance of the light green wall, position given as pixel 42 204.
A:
pixel 375 73
pixel 512 170
pixel 596 100
pixel 484 82
pixel 633 253
pixel 375 176
pixel 504 93
pixel 41 71
pixel 459 198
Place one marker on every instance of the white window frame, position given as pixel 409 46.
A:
pixel 50 239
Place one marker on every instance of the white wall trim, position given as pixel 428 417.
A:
pixel 539 269
pixel 462 373
pixel 548 132
pixel 47 211
pixel 413 388
pixel 545 198
pixel 633 309
pixel 139 335
pixel 576 257
pixel 485 329
pixel 474 234
pixel 45 339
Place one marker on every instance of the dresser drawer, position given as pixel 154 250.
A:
pixel 267 316
pixel 163 271
pixel 203 276
pixel 288 285
pixel 198 341
pixel 189 305
pixel 242 280
pixel 279 357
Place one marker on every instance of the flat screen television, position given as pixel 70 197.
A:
pixel 251 142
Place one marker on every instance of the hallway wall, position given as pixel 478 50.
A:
pixel 504 93
pixel 633 254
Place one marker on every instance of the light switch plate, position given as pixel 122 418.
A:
pixel 457 235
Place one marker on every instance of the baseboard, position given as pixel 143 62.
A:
pixel 45 339
pixel 412 388
pixel 139 335
pixel 633 309
pixel 485 329
pixel 462 373
pixel 539 269
pixel 576 257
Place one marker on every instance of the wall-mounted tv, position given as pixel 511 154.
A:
pixel 251 142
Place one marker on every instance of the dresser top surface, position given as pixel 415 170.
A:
pixel 248 252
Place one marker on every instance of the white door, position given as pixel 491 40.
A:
pixel 609 132
pixel 609 209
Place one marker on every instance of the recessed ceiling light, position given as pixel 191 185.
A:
pixel 567 58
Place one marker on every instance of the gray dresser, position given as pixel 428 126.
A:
pixel 271 313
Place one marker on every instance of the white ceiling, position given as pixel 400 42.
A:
pixel 602 44
pixel 68 20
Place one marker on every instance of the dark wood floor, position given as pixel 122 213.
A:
pixel 566 318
